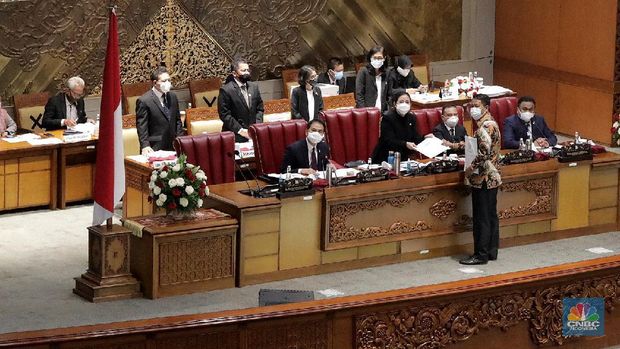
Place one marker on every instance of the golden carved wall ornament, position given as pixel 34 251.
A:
pixel 438 325
pixel 442 208
pixel 543 188
pixel 175 38
pixel 340 232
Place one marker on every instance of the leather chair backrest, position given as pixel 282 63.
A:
pixel 29 107
pixel 202 119
pixel 270 141
pixel 277 110
pixel 213 152
pixel 502 108
pixel 427 119
pixel 207 88
pixel 289 79
pixel 131 93
pixel 352 134
pixel 131 142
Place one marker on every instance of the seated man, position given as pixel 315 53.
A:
pixel 308 155
pixel 334 75
pixel 450 131
pixel 66 109
pixel 7 125
pixel 527 125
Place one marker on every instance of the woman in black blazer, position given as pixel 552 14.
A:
pixel 402 76
pixel 368 77
pixel 398 129
pixel 306 99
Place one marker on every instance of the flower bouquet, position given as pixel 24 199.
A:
pixel 179 189
pixel 615 131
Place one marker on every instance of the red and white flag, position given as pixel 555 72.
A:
pixel 110 168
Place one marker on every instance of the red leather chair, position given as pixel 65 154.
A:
pixel 270 141
pixel 502 108
pixel 213 152
pixel 427 119
pixel 352 134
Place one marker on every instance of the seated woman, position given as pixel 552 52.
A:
pixel 402 77
pixel 398 129
pixel 7 125
pixel 306 99
pixel 371 81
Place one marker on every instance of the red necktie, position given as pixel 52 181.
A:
pixel 313 160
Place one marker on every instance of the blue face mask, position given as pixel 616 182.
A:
pixel 338 75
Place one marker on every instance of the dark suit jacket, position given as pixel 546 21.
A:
pixel 233 110
pixel 299 103
pixel 296 156
pixel 441 131
pixel 366 89
pixel 397 81
pixel 396 131
pixel 56 110
pixel 323 78
pixel 155 128
pixel 515 129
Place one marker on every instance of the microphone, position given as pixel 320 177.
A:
pixel 258 191
pixel 232 156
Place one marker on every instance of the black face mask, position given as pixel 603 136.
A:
pixel 244 78
pixel 312 83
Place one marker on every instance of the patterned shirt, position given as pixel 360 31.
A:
pixel 485 166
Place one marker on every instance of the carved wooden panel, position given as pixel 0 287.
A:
pixel 193 260
pixel 116 255
pixel 543 189
pixel 94 253
pixel 299 335
pixel 437 325
pixel 217 340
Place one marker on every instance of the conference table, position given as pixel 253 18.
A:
pixel 402 219
pixel 46 175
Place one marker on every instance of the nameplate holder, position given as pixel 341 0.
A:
pixel 372 175
pixel 575 152
pixel 519 157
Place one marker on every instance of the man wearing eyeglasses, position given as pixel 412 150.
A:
pixel 66 109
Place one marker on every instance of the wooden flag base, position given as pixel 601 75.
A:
pixel 108 276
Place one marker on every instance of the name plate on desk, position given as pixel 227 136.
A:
pixel 372 175
pixel 295 187
pixel 575 152
pixel 442 166
pixel 76 137
pixel 519 157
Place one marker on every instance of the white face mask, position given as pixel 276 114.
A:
pixel 338 75
pixel 526 116
pixel 403 72
pixel 475 113
pixel 165 86
pixel 452 121
pixel 376 63
pixel 403 108
pixel 314 137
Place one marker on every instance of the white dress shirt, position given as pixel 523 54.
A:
pixel 71 112
pixel 310 94
pixel 379 92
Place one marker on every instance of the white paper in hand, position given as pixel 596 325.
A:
pixel 471 150
pixel 431 147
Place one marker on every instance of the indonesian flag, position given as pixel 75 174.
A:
pixel 110 169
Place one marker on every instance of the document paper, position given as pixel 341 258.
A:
pixel 431 147
pixel 471 150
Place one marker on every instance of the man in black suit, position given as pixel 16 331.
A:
pixel 239 103
pixel 450 131
pixel 334 75
pixel 66 109
pixel 308 155
pixel 158 119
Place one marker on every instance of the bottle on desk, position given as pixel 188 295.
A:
pixel 577 138
pixel 329 175
pixel 397 163
pixel 96 128
pixel 288 172
pixel 390 159
pixel 521 144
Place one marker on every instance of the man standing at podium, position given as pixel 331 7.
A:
pixel 158 119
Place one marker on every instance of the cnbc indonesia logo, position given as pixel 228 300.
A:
pixel 583 317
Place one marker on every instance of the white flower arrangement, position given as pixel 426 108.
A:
pixel 181 187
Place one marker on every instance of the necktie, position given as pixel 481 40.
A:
pixel 313 163
pixel 244 91
pixel 452 132
pixel 165 104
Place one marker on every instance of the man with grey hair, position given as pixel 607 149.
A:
pixel 66 109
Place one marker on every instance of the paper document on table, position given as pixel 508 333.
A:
pixel 431 147
pixel 44 141
pixel 22 138
pixel 471 150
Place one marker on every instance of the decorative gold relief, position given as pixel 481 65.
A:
pixel 116 255
pixel 542 188
pixel 443 208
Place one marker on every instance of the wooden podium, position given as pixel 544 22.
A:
pixel 179 257
pixel 108 276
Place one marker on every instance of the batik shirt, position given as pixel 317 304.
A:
pixel 485 166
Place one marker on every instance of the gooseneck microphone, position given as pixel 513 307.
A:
pixel 232 156
pixel 259 190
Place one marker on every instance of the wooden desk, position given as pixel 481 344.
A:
pixel 194 255
pixel 76 171
pixel 28 175
pixel 442 103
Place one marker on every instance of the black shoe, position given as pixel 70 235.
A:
pixel 492 258
pixel 473 260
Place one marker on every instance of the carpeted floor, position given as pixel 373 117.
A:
pixel 42 251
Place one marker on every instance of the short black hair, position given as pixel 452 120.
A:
pixel 304 75
pixel 316 120
pixel 374 50
pixel 333 62
pixel 402 61
pixel 443 109
pixel 157 72
pixel 486 100
pixel 396 95
pixel 237 62
pixel 526 99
